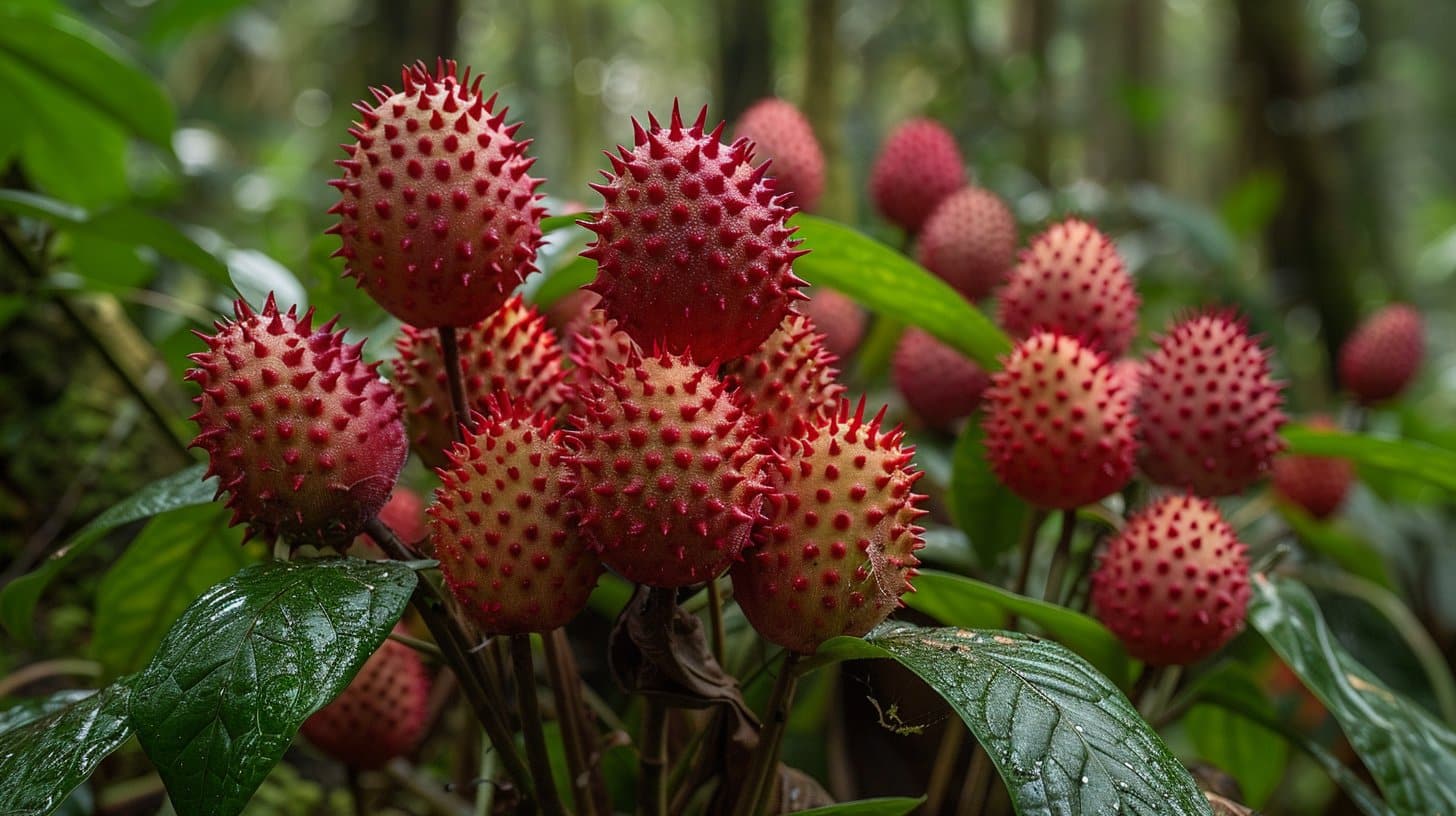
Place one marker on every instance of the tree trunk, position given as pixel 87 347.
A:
pixel 745 55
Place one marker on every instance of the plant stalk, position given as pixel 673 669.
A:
pixel 978 783
pixel 356 792
pixel 761 770
pixel 531 724
pixel 715 621
pixel 570 713
pixel 1028 551
pixel 945 764
pixel 1058 568
pixel 455 381
pixel 652 760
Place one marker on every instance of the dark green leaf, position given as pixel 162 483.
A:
pixel 563 280
pixel 1410 754
pixel 34 708
pixel 174 560
pixel 169 18
pixel 1064 739
pixel 1428 462
pixel 962 602
pixel 992 516
pixel 248 662
pixel 887 806
pixel 1251 753
pixel 67 149
pixel 895 286
pixel 79 63
pixel 43 761
pixel 183 489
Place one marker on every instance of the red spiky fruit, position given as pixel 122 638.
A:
pixel 1059 426
pixel 302 434
pixel 940 384
pixel 1071 280
pixel 380 715
pixel 693 248
pixel 838 548
pixel 595 347
pixel 1210 410
pixel 404 513
pixel 785 137
pixel 1316 484
pixel 1383 355
pixel 917 167
pixel 438 217
pixel 571 314
pixel 969 240
pixel 1174 584
pixel 838 318
pixel 511 351
pixel 665 473
pixel 788 383
pixel 506 538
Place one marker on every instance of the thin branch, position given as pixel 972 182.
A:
pixel 531 726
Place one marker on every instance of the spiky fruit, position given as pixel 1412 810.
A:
pixel 1316 484
pixel 969 240
pixel 571 314
pixel 917 167
pixel 693 248
pixel 595 347
pixel 1059 427
pixel 838 318
pixel 511 351
pixel 438 217
pixel 665 471
pixel 1210 410
pixel 404 513
pixel 506 538
pixel 838 549
pixel 1072 280
pixel 940 384
pixel 784 136
pixel 788 383
pixel 380 715
pixel 302 434
pixel 1174 584
pixel 1384 353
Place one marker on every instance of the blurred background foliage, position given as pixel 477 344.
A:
pixel 1291 158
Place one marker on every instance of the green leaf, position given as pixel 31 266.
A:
pixel 80 63
pixel 1411 755
pixel 962 602
pixel 553 223
pixel 174 560
pixel 563 280
pixel 1428 462
pixel 886 806
pixel 66 148
pixel 44 760
pixel 990 514
pixel 31 709
pixel 1251 753
pixel 248 662
pixel 183 489
pixel 895 286
pixel 1349 551
pixel 1064 739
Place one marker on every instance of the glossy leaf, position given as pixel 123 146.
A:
pixel 894 286
pixel 183 489
pixel 552 223
pixel 248 662
pixel 1403 456
pixel 31 709
pixel 1410 754
pixel 561 281
pixel 174 559
pixel 961 602
pixel 67 148
pixel 990 514
pixel 42 761
pixel 1064 739
pixel 886 806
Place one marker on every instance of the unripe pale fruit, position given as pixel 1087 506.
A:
pixel 785 137
pixel 665 471
pixel 302 434
pixel 838 549
pixel 1059 427
pixel 1174 584
pixel 1316 484
pixel 438 217
pixel 1383 355
pixel 693 248
pixel 917 167
pixel 969 240
pixel 380 715
pixel 940 384
pixel 507 541
pixel 789 383
pixel 511 351
pixel 1210 410
pixel 838 318
pixel 1071 280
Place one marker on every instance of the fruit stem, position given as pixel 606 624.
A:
pixel 652 760
pixel 356 791
pixel 945 764
pixel 715 621
pixel 1028 549
pixel 575 729
pixel 978 783
pixel 761 772
pixel 535 738
pixel 455 381
pixel 1056 572
pixel 451 639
